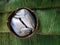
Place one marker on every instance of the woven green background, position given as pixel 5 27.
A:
pixel 49 20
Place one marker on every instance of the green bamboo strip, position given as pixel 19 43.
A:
pixel 7 6
pixel 49 22
pixel 10 39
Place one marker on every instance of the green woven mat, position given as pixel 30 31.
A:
pixel 49 21
pixel 10 39
pixel 9 5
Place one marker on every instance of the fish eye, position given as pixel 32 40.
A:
pixel 22 22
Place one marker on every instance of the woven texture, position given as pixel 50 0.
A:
pixel 49 22
pixel 10 39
